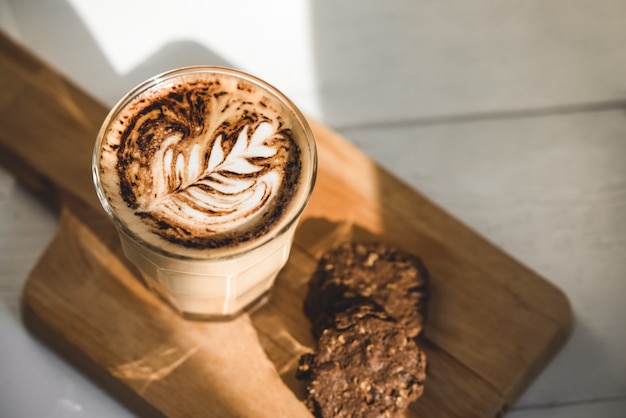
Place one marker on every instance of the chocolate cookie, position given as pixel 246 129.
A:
pixel 365 366
pixel 392 278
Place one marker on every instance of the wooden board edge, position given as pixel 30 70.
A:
pixel 54 340
pixel 37 183
pixel 559 340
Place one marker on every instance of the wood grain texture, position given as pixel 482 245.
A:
pixel 494 324
pixel 97 305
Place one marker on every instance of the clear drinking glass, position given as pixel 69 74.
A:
pixel 202 282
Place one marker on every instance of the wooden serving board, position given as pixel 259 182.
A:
pixel 493 323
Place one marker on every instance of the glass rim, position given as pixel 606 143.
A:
pixel 309 140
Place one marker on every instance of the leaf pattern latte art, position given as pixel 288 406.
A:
pixel 224 189
pixel 205 169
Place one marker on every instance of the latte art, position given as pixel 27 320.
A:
pixel 204 163
pixel 208 191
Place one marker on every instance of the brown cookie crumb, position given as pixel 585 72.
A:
pixel 365 366
pixel 394 279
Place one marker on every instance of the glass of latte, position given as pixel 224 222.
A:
pixel 205 172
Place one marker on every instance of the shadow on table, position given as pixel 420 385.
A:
pixel 69 34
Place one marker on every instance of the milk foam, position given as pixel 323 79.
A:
pixel 218 193
pixel 201 162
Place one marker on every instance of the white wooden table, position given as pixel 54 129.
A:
pixel 511 115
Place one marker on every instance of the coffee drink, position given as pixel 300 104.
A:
pixel 205 171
